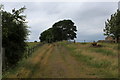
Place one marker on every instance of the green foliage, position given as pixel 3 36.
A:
pixel 47 36
pixel 62 30
pixel 112 26
pixel 14 35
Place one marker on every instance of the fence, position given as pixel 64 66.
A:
pixel 27 53
pixel 30 50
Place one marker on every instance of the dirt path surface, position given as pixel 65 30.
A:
pixel 54 61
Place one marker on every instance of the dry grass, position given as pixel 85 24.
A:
pixel 69 60
pixel 104 59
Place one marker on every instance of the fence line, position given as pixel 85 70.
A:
pixel 27 53
pixel 30 50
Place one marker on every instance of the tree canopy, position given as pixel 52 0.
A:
pixel 112 26
pixel 62 30
pixel 14 35
pixel 47 36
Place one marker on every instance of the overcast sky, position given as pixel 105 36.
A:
pixel 89 17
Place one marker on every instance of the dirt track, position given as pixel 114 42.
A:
pixel 54 61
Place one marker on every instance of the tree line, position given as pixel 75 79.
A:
pixel 62 30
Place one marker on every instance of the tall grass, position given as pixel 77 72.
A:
pixel 90 61
pixel 83 47
pixel 103 51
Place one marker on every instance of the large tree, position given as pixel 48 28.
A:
pixel 14 35
pixel 112 26
pixel 47 36
pixel 62 30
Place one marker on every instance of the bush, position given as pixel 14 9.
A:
pixel 14 34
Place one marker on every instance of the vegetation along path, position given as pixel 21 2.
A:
pixel 68 60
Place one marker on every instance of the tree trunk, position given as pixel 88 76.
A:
pixel 117 40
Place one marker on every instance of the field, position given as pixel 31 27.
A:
pixel 69 60
pixel 31 44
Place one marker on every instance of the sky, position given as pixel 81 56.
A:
pixel 89 17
